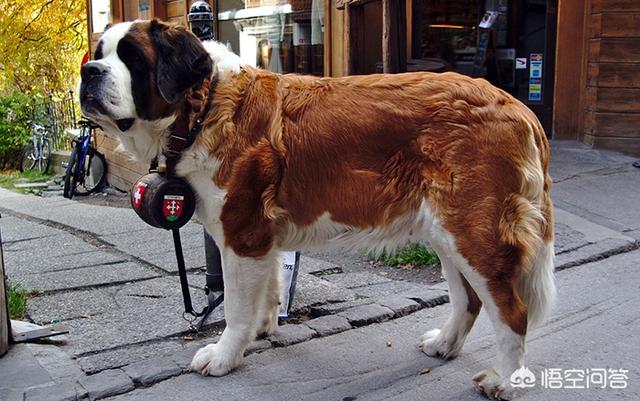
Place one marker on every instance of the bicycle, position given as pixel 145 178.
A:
pixel 37 152
pixel 86 170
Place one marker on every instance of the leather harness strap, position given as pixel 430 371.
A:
pixel 180 138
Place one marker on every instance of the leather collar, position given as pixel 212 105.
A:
pixel 181 135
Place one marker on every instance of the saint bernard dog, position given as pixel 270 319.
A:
pixel 290 162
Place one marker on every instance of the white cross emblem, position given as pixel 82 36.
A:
pixel 137 196
pixel 173 207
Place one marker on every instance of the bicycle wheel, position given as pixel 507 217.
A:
pixel 28 157
pixel 70 173
pixel 45 156
pixel 94 174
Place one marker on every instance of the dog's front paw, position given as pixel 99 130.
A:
pixel 434 343
pixel 212 360
pixel 489 383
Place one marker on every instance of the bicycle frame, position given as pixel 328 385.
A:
pixel 85 144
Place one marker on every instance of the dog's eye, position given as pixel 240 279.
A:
pixel 130 54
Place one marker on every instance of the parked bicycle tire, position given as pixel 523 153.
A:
pixel 28 157
pixel 90 180
pixel 45 158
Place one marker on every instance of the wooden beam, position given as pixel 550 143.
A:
pixel 354 36
pixel 394 36
pixel 568 112
pixel 326 39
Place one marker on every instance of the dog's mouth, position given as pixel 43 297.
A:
pixel 124 124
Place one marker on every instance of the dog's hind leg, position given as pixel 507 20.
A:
pixel 466 305
pixel 246 282
pixel 508 315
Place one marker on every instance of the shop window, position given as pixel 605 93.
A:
pixel 446 31
pixel 277 35
pixel 100 15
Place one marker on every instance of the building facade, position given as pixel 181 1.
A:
pixel 575 63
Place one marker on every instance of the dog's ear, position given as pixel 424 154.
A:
pixel 182 60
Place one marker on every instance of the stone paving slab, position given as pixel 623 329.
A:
pixel 120 357
pixel 48 247
pixel 147 310
pixel 194 258
pixel 590 196
pixel 101 220
pixel 84 304
pixel 355 280
pixel 85 276
pixel 593 252
pixel 27 263
pixel 16 363
pixel 155 240
pixel 65 391
pixel 385 289
pixel 311 290
pixel 566 238
pixel 314 265
pixel 58 364
pixel 16 229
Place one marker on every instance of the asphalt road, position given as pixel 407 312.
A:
pixel 596 324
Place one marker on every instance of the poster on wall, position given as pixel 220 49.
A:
pixel 535 76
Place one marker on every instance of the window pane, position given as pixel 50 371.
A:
pixel 100 15
pixel 281 36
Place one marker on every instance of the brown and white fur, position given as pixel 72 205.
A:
pixel 287 162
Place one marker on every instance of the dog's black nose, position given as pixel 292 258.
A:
pixel 92 69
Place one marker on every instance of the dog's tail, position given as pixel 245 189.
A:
pixel 524 225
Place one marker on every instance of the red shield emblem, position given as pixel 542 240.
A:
pixel 138 191
pixel 172 207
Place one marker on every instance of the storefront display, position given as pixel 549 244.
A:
pixel 280 36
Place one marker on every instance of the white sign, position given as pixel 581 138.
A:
pixel 521 63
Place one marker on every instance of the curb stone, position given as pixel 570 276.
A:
pixel 328 325
pixel 151 371
pixel 290 334
pixel 366 314
pixel 401 306
pixel 257 346
pixel 106 383
pixel 427 298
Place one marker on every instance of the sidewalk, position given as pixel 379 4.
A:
pixel 112 281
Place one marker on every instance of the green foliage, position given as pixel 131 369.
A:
pixel 41 44
pixel 17 301
pixel 15 112
pixel 410 255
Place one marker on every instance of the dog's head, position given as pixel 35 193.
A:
pixel 141 72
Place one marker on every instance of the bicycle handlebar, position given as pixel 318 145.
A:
pixel 88 123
